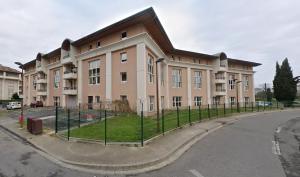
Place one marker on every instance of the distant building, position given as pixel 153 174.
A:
pixel 10 82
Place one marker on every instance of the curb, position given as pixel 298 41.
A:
pixel 134 168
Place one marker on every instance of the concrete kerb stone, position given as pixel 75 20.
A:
pixel 142 167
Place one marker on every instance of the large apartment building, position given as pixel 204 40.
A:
pixel 10 82
pixel 120 62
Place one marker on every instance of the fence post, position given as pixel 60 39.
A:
pixel 245 106
pixel 142 127
pixel 238 107
pixel 231 107
pixel 100 111
pixel 190 115
pixel 177 110
pixel 208 111
pixel 277 103
pixel 252 106
pixel 264 105
pixel 79 119
pixel 115 110
pixel 217 111
pixel 200 115
pixel 163 121
pixel 224 109
pixel 68 124
pixel 105 128
pixel 56 119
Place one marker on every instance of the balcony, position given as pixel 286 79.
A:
pixel 70 75
pixel 220 91
pixel 41 92
pixel 40 68
pixel 220 79
pixel 41 81
pixel 70 91
pixel 66 59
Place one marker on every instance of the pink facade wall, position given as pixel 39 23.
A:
pixel 91 89
pixel 128 88
pixel 55 92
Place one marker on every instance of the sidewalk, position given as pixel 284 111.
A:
pixel 114 159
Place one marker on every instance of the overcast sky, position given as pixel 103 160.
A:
pixel 261 31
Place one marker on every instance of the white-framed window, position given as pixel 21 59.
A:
pixel 123 97
pixel 150 69
pixel 246 82
pixel 124 35
pixel 123 57
pixel 98 44
pixel 56 79
pixel 177 101
pixel 56 100
pixel 151 103
pixel 232 100
pixel 123 76
pixel 177 78
pixel 94 72
pixel 231 81
pixel 197 79
pixel 197 100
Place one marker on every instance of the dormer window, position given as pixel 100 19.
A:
pixel 98 44
pixel 124 35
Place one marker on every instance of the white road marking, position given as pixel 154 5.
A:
pixel 276 148
pixel 278 130
pixel 196 173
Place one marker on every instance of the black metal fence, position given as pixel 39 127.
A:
pixel 110 124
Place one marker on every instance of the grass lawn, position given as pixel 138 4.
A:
pixel 127 127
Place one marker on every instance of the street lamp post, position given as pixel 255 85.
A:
pixel 21 119
pixel 237 94
pixel 157 94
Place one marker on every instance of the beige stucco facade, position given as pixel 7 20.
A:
pixel 10 83
pixel 122 65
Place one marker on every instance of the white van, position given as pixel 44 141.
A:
pixel 13 105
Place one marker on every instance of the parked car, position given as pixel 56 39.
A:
pixel 36 104
pixel 13 105
pixel 262 103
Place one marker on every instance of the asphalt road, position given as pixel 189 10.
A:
pixel 288 136
pixel 246 148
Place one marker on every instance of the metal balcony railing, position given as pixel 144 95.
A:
pixel 220 90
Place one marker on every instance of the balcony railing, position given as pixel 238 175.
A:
pixel 70 88
pixel 67 72
pixel 67 55
pixel 42 90
pixel 220 77
pixel 220 90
